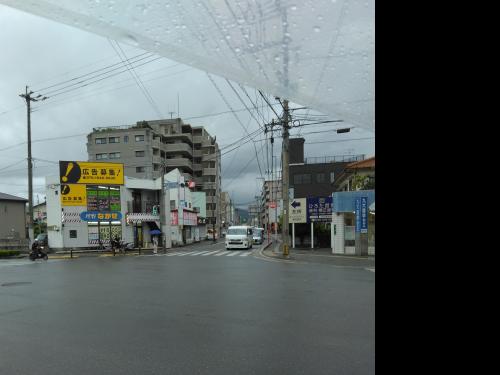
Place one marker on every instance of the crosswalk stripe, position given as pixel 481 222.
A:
pixel 173 254
pixel 233 253
pixel 222 253
pixel 246 254
pixel 210 253
pixel 199 253
pixel 184 254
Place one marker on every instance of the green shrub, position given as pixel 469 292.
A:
pixel 9 253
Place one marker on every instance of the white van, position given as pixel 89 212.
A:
pixel 239 237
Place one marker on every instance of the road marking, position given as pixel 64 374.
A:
pixel 210 253
pixel 173 254
pixel 370 269
pixel 184 254
pixel 222 253
pixel 246 254
pixel 232 253
pixel 199 253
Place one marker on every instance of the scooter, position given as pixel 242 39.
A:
pixel 38 254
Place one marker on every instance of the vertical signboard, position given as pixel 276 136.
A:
pixel 364 214
pixel 357 211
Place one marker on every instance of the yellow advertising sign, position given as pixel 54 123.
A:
pixel 73 195
pixel 82 172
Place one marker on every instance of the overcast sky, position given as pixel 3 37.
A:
pixel 40 53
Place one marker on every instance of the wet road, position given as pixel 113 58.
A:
pixel 207 312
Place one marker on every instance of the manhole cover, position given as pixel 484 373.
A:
pixel 16 283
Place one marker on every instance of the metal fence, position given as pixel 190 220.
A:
pixel 332 159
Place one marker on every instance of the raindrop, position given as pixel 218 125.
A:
pixel 293 7
pixel 184 26
pixel 131 40
pixel 316 29
pixel 277 58
pixel 320 18
pixel 237 50
pixel 228 37
pixel 240 21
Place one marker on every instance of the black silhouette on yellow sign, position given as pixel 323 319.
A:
pixel 73 195
pixel 79 172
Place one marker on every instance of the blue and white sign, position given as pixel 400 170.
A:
pixel 319 209
pixel 100 216
pixel 357 211
pixel 364 214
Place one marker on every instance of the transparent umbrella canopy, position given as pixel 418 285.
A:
pixel 316 53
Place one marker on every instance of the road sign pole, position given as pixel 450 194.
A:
pixel 293 235
pixel 312 234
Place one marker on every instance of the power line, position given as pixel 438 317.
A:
pixel 269 104
pixel 119 64
pixel 136 78
pixel 237 118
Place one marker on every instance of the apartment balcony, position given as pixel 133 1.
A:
pixel 197 153
pixel 156 159
pixel 210 185
pixel 209 157
pixel 197 139
pixel 209 172
pixel 197 167
pixel 156 143
pixel 178 148
pixel 198 181
pixel 182 136
pixel 179 163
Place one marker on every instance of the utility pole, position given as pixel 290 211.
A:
pixel 27 97
pixel 285 174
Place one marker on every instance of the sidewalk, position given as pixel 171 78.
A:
pixel 319 256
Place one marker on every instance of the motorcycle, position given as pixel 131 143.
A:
pixel 38 253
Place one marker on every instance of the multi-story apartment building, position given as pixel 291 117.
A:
pixel 270 203
pixel 147 146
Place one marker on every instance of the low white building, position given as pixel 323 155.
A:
pixel 129 212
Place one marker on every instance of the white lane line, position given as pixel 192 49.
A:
pixel 210 253
pixel 222 253
pixel 199 253
pixel 245 254
pixel 173 254
pixel 370 269
pixel 232 253
pixel 184 254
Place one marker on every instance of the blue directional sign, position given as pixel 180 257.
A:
pixel 100 216
pixel 357 211
pixel 364 214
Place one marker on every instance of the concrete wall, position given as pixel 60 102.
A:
pixel 54 227
pixel 12 219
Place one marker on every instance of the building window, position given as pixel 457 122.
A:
pixel 125 139
pixel 72 233
pixel 139 153
pixel 139 138
pixel 114 155
pixel 332 176
pixel 101 156
pixel 100 141
pixel 320 178
pixel 114 139
pixel 140 169
pixel 172 205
